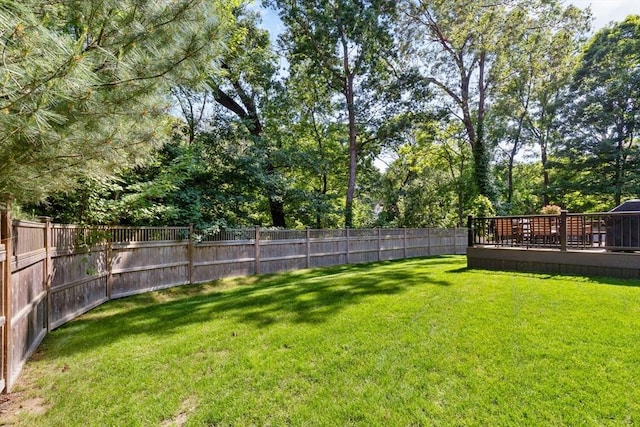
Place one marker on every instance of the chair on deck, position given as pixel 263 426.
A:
pixel 542 230
pixel 503 230
pixel 577 230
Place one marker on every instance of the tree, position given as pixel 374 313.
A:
pixel 601 154
pixel 429 184
pixel 193 106
pixel 313 145
pixel 85 83
pixel 243 87
pixel 348 46
pixel 464 50
pixel 528 105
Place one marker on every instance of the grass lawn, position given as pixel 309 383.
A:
pixel 415 342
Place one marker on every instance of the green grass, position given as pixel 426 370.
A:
pixel 416 342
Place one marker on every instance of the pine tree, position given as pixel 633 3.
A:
pixel 84 83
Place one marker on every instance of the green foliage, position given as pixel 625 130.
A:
pixel 471 53
pixel 84 81
pixel 482 207
pixel 453 91
pixel 527 188
pixel 431 182
pixel 347 46
pixel 600 155
pixel 245 89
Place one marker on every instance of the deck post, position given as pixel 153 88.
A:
pixel 470 231
pixel 563 230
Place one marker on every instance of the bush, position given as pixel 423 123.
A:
pixel 551 210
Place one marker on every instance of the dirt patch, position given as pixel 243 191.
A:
pixel 12 405
pixel 187 407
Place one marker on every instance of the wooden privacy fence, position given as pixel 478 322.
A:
pixel 52 273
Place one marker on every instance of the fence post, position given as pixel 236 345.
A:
pixel 379 245
pixel 470 239
pixel 308 248
pixel 429 243
pixel 257 250
pixel 455 240
pixel 347 234
pixel 404 242
pixel 190 250
pixel 563 230
pixel 47 267
pixel 6 234
pixel 109 259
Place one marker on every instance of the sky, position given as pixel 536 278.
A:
pixel 605 11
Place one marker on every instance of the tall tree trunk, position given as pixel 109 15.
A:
pixel 249 114
pixel 546 200
pixel 512 154
pixel 353 155
pixel 619 165
pixel 480 152
pixel 276 206
pixel 353 147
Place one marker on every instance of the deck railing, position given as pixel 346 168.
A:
pixel 611 231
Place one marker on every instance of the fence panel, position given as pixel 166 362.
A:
pixel 147 266
pixel 28 305
pixel 217 260
pixel 78 284
pixel 327 252
pixel 364 246
pixel 283 255
pixel 392 244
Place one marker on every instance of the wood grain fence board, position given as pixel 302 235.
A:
pixel 71 268
pixel 283 263
pixel 26 312
pixel 28 329
pixel 206 272
pixel 71 300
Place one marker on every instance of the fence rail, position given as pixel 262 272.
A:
pixel 52 273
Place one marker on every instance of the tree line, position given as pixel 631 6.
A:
pixel 362 113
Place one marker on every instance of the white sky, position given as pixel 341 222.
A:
pixel 605 11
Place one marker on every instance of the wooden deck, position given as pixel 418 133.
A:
pixel 589 262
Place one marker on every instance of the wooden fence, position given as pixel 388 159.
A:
pixel 52 273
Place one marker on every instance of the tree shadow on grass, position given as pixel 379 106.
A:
pixel 301 297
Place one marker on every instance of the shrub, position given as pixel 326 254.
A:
pixel 551 210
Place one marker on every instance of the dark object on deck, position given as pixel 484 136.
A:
pixel 623 231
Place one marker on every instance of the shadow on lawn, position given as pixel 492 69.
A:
pixel 309 296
